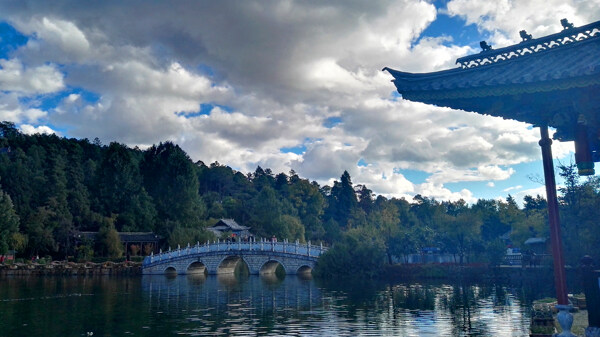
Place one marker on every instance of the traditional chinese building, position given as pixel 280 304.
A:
pixel 235 230
pixel 552 81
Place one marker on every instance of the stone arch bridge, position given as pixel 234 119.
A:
pixel 261 257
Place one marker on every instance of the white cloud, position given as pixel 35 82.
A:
pixel 541 190
pixel 15 77
pixel 13 111
pixel 42 129
pixel 512 188
pixel 55 38
pixel 279 70
pixel 503 19
pixel 440 193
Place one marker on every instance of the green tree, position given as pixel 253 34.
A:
pixel 365 198
pixel 342 201
pixel 171 179
pixel 460 234
pixel 9 222
pixel 182 236
pixel 308 200
pixel 579 210
pixel 108 242
pixel 121 191
pixel 385 217
pixel 360 254
pixel 267 209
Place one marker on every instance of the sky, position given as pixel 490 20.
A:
pixel 286 85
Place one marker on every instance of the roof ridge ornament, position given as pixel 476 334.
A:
pixel 484 46
pixel 566 24
pixel 525 36
pixel 529 45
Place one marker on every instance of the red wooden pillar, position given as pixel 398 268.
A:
pixel 560 281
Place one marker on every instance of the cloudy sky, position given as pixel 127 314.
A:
pixel 281 84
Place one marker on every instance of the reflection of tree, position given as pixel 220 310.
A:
pixel 207 305
pixel 414 297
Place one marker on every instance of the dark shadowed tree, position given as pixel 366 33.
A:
pixel 342 201
pixel 170 177
pixel 9 222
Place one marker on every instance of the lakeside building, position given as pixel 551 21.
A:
pixel 147 242
pixel 237 231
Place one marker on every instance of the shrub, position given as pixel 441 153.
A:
pixel 358 255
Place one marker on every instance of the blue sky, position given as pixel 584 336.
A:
pixel 280 84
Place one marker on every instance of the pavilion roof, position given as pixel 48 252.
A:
pixel 549 80
pixel 229 224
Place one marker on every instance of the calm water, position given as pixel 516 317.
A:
pixel 256 306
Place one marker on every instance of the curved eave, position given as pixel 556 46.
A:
pixel 533 88
pixel 569 64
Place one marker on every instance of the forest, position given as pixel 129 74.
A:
pixel 51 187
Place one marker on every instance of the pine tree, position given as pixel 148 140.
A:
pixel 9 221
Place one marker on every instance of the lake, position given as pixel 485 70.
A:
pixel 259 306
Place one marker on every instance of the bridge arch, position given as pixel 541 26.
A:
pixel 196 267
pixel 230 263
pixel 304 270
pixel 270 266
pixel 170 270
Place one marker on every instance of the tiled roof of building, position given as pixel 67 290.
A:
pixel 534 81
pixel 231 224
pixel 532 241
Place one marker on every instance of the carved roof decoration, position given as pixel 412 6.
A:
pixel 548 80
pixel 529 45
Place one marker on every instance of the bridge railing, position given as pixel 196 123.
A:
pixel 285 246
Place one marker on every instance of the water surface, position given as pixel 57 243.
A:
pixel 257 306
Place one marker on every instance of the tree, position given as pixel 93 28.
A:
pixel 460 234
pixel 384 217
pixel 171 179
pixel 531 204
pixel 108 242
pixel 60 219
pixel 9 222
pixel 359 254
pixel 181 236
pixel 342 200
pixel 309 202
pixel 580 208
pixel 492 226
pixel 121 191
pixel 365 198
pixel 266 211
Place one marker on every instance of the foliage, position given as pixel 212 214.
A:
pixel 495 251
pixel 358 255
pixel 9 222
pixel 58 186
pixel 182 236
pixel 579 210
pixel 85 251
pixel 108 242
pixel 543 329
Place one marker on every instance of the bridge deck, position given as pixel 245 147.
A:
pixel 296 249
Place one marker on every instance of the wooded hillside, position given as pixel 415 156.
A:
pixel 52 186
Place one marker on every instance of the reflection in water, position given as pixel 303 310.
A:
pixel 199 305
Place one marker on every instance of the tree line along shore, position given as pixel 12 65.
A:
pixel 51 187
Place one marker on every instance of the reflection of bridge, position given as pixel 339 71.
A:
pixel 222 257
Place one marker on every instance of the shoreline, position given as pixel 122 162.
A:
pixel 71 268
